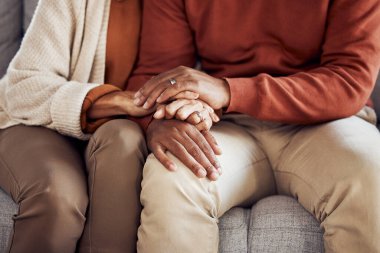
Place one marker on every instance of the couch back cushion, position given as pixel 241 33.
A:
pixel 29 7
pixel 10 31
pixel 15 16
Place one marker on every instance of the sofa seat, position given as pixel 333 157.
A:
pixel 275 224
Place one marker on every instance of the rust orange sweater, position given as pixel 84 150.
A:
pixel 122 47
pixel 289 61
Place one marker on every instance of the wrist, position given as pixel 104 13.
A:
pixel 227 93
pixel 120 103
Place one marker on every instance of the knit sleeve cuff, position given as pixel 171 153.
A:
pixel 66 109
pixel 88 125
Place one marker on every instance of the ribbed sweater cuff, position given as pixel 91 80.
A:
pixel 66 109
pixel 244 96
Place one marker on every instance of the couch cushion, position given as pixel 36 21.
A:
pixel 8 209
pixel 10 31
pixel 233 231
pixel 279 224
pixel 29 8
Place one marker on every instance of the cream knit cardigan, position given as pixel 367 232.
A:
pixel 62 57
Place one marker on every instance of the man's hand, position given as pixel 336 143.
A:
pixel 160 89
pixel 194 149
pixel 195 112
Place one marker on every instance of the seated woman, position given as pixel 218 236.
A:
pixel 69 84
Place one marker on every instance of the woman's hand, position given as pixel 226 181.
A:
pixel 117 103
pixel 195 112
pixel 160 89
pixel 126 98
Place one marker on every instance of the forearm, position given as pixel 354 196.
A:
pixel 339 87
pixel 106 106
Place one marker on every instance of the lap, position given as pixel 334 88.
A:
pixel 317 160
pixel 246 177
pixel 31 157
pixel 258 157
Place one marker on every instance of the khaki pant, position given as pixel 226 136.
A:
pixel 45 173
pixel 332 169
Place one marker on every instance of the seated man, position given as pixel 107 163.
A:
pixel 292 78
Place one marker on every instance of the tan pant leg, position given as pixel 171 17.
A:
pixel 44 174
pixel 115 156
pixel 180 213
pixel 333 170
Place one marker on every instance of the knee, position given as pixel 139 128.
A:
pixel 60 197
pixel 123 135
pixel 362 182
pixel 163 189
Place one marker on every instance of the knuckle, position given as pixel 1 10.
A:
pixel 210 168
pixel 181 115
pixel 194 167
pixel 176 86
pixel 168 110
pixel 195 152
pixel 143 92
pixel 173 129
pixel 182 67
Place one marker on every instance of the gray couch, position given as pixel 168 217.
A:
pixel 274 224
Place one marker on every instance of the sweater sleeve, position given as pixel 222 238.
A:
pixel 39 90
pixel 338 88
pixel 162 49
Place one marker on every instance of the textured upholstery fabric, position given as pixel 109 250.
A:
pixel 10 31
pixel 7 209
pixel 279 224
pixel 233 231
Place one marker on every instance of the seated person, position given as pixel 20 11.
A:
pixel 292 78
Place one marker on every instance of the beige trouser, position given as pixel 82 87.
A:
pixel 332 169
pixel 45 173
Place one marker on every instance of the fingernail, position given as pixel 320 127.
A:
pixel 155 115
pixel 146 105
pixel 137 94
pixel 137 101
pixel 219 169
pixel 159 99
pixel 214 176
pixel 201 173
pixel 172 167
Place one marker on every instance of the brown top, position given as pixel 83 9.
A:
pixel 122 46
pixel 286 61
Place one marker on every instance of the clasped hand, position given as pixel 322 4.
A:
pixel 187 99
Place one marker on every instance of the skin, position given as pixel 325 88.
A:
pixel 188 109
pixel 171 135
pixel 121 103
pixel 213 91
pixel 188 119
pixel 195 112
pixel 116 103
pixel 194 148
